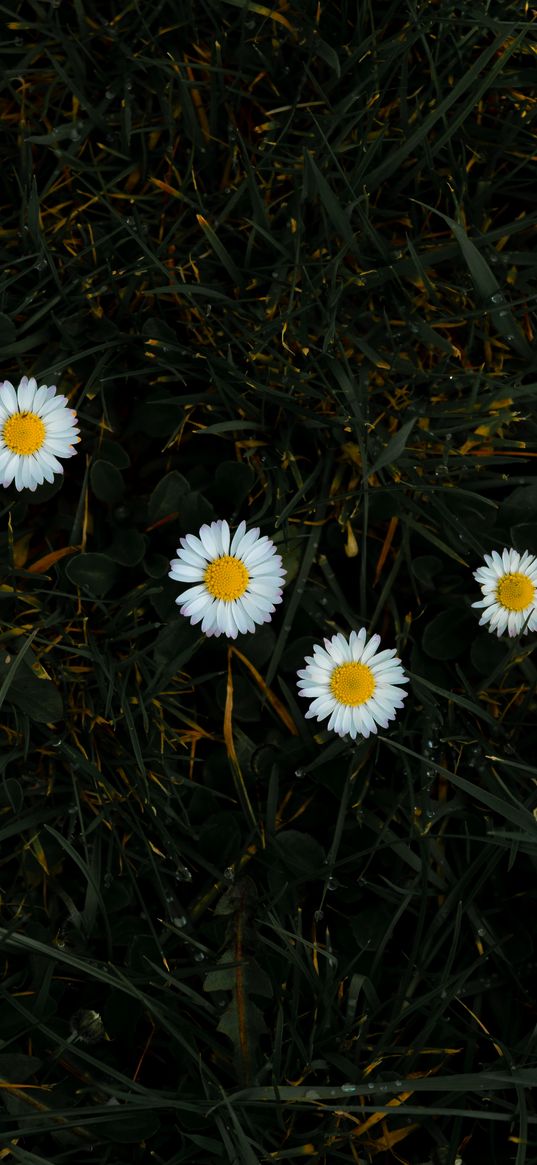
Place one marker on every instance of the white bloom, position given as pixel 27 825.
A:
pixel 36 427
pixel 509 586
pixel 233 583
pixel 349 682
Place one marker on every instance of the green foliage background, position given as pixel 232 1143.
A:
pixel 281 261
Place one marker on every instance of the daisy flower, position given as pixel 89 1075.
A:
pixel 36 427
pixel 509 586
pixel 233 583
pixel 354 685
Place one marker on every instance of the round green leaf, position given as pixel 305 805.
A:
pixel 167 496
pixel 111 451
pixel 128 547
pixel 107 482
pixel 94 573
pixel 156 565
pixel 195 511
pixel 520 506
pixel 524 537
pixel 448 634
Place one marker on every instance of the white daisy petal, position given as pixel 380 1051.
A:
pixel 9 470
pixel 26 393
pixel 194 607
pixel 241 541
pixel 334 650
pixel 348 686
pixel 185 573
pixel 210 540
pixel 36 429
pixel 194 544
pixel 242 620
pixel 264 587
pixel 225 535
pixel 509 587
pixel 371 648
pixel 190 558
pixel 229 596
pixel 8 397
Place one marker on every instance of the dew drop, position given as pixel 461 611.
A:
pixel 199 957
pixel 180 921
pixel 498 297
pixel 229 873
pixel 319 915
pixel 109 93
pixel 300 773
pixel 332 884
pixel 349 1088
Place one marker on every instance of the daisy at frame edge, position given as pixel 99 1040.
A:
pixel 36 428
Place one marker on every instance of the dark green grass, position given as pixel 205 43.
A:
pixel 282 262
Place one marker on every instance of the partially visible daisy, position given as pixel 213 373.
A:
pixel 509 586
pixel 36 427
pixel 234 584
pixel 349 682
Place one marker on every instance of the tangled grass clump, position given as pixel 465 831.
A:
pixel 278 261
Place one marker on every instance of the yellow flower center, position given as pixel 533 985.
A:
pixel 515 591
pixel 226 578
pixel 24 433
pixel 352 683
